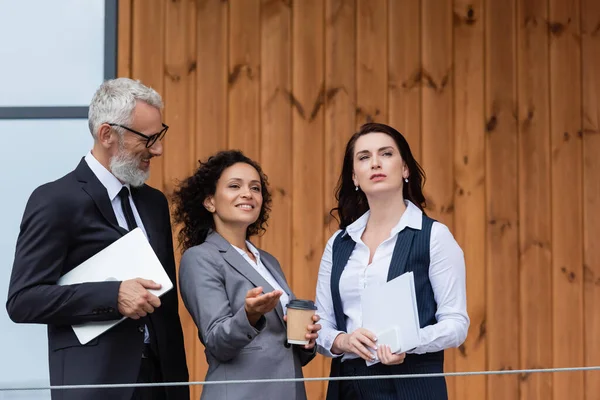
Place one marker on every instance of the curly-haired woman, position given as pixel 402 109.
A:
pixel 235 292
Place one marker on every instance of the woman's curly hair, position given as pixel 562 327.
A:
pixel 188 198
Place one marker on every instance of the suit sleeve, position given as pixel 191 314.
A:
pixel 42 247
pixel 224 331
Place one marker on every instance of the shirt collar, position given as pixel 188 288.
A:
pixel 412 218
pixel 252 249
pixel 109 181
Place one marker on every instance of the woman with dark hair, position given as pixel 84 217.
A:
pixel 236 293
pixel 384 233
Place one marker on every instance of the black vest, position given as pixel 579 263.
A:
pixel 411 253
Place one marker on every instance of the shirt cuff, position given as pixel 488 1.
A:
pixel 325 342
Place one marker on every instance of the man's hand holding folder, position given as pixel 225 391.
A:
pixel 135 301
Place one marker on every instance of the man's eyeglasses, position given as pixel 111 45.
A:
pixel 150 140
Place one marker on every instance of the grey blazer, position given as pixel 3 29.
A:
pixel 214 279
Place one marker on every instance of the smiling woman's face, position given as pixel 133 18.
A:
pixel 378 166
pixel 238 197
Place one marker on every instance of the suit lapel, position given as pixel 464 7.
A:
pixel 400 254
pixel 145 209
pixel 94 188
pixel 237 262
pixel 278 276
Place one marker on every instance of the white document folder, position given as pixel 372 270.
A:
pixel 390 312
pixel 129 257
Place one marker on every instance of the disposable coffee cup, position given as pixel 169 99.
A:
pixel 299 316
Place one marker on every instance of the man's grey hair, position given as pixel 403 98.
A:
pixel 115 100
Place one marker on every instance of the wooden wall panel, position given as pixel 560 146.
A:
pixel 437 135
pixel 535 235
pixel 148 58
pixel 499 102
pixel 212 74
pixel 502 278
pixel 244 77
pixel 124 44
pixel 211 111
pixel 371 61
pixel 590 32
pixel 567 228
pixel 469 193
pixel 179 114
pixel 276 126
pixel 307 162
pixel 340 106
pixel 404 70
pixel 340 97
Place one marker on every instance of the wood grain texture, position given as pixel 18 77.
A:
pixel 276 126
pixel 308 88
pixel 502 275
pixel 483 90
pixel 148 59
pixel 212 73
pixel 405 72
pixel 244 77
pixel 371 61
pixel 567 222
pixel 535 234
pixel 469 193
pixel 437 134
pixel 590 36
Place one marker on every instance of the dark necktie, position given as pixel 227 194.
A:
pixel 127 211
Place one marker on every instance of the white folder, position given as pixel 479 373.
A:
pixel 390 312
pixel 129 257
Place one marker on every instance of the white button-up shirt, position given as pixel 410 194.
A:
pixel 446 274
pixel 113 187
pixel 264 272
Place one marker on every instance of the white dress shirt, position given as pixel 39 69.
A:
pixel 113 187
pixel 446 274
pixel 264 272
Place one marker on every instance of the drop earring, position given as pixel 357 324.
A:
pixel 406 180
pixel 356 189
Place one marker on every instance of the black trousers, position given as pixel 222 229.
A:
pixel 149 373
pixel 384 389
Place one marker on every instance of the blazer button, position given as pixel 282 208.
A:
pixel 141 329
pixel 249 337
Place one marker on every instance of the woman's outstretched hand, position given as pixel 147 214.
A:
pixel 259 303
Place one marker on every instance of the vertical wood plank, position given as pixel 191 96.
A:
pixel 567 224
pixel 340 101
pixel 469 195
pixel 179 144
pixel 276 136
pixel 148 59
pixel 211 108
pixel 502 275
pixel 211 82
pixel 307 171
pixel 535 235
pixel 590 11
pixel 437 131
pixel 405 72
pixel 371 61
pixel 244 77
pixel 124 33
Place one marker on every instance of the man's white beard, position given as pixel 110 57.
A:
pixel 125 167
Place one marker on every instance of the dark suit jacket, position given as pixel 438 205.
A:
pixel 66 222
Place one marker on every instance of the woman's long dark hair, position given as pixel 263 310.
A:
pixel 352 203
pixel 189 197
